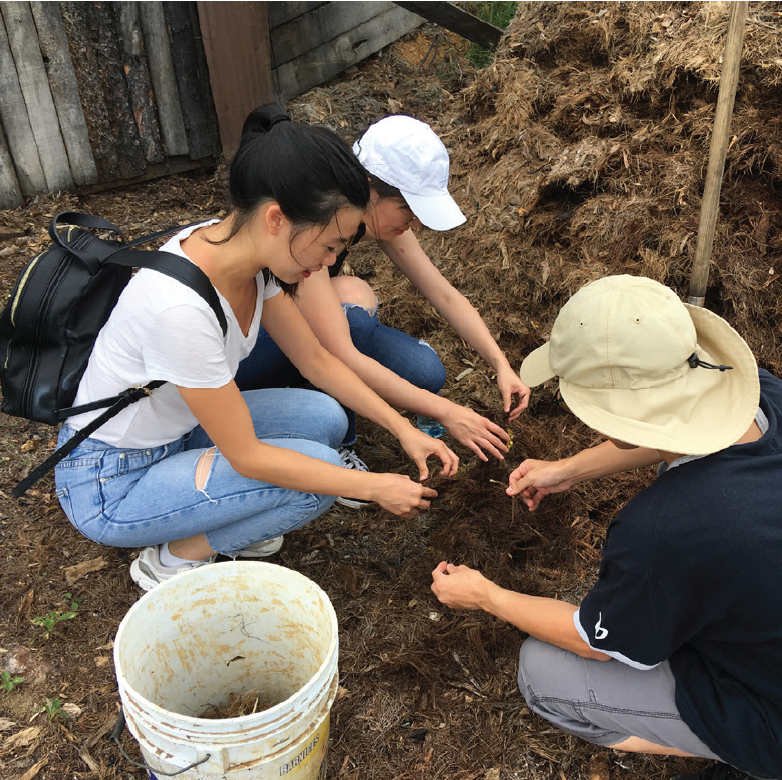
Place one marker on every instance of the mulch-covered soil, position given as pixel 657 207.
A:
pixel 580 152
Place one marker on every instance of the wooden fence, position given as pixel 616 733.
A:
pixel 96 94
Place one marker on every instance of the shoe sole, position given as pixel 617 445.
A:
pixel 353 503
pixel 141 578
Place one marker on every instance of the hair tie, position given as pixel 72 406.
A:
pixel 279 118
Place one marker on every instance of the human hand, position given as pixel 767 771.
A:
pixel 475 431
pixel 398 494
pixel 460 587
pixel 534 479
pixel 419 447
pixel 510 384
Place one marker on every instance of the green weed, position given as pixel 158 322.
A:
pixel 500 15
pixel 8 683
pixel 53 709
pixel 48 621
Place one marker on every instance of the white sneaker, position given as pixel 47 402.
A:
pixel 351 461
pixel 147 571
pixel 261 549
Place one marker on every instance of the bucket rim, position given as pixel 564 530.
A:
pixel 302 693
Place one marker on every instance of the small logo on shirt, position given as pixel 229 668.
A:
pixel 600 632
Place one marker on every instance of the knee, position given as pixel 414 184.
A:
pixel 334 422
pixel 536 665
pixel 431 369
pixel 351 289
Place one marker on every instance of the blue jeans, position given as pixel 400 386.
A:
pixel 135 498
pixel 410 358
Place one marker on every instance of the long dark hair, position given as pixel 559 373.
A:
pixel 309 171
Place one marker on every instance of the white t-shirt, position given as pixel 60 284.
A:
pixel 162 329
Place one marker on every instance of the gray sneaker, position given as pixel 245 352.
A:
pixel 261 549
pixel 351 461
pixel 147 572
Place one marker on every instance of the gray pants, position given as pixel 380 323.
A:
pixel 604 702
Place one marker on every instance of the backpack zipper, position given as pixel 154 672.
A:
pixel 20 289
pixel 47 297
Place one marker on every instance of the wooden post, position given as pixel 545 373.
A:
pixel 134 64
pixel 719 148
pixel 172 126
pixel 104 37
pixel 16 122
pixel 76 19
pixel 457 20
pixel 188 77
pixel 65 90
pixel 34 83
pixel 240 72
pixel 10 196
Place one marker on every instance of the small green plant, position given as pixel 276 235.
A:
pixel 8 683
pixel 53 709
pixel 500 15
pixel 48 621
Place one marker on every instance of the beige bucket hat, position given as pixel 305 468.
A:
pixel 640 366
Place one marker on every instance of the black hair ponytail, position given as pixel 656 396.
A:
pixel 309 171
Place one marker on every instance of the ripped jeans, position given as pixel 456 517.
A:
pixel 408 357
pixel 140 497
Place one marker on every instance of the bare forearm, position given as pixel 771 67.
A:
pixel 606 459
pixel 462 316
pixel 331 375
pixel 549 620
pixel 392 388
pixel 295 471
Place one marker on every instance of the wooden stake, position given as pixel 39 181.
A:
pixel 719 147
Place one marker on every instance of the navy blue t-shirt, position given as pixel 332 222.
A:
pixel 692 572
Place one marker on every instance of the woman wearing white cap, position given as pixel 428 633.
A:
pixel 408 171
pixel 677 648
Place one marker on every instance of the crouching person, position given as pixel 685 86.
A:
pixel 677 649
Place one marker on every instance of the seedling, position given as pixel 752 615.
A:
pixel 8 683
pixel 53 709
pixel 48 621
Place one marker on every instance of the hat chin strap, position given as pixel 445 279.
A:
pixel 696 362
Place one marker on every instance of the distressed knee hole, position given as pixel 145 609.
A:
pixel 203 466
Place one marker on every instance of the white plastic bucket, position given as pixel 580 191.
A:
pixel 232 627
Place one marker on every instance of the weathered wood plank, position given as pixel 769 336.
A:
pixel 320 64
pixel 34 83
pixel 136 71
pixel 240 75
pixel 16 123
pixel 65 91
pixel 459 21
pixel 172 125
pixel 319 26
pixel 10 194
pixel 76 19
pixel 190 77
pixel 280 13
pixel 104 37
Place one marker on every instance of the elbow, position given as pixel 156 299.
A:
pixel 594 655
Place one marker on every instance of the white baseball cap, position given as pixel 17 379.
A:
pixel 408 155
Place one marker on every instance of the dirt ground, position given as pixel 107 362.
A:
pixel 426 692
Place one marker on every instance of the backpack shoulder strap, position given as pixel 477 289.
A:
pixel 177 268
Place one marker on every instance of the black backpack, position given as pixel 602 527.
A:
pixel 60 302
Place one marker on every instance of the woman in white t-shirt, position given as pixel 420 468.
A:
pixel 200 468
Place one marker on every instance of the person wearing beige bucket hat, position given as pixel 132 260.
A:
pixel 408 169
pixel 677 647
